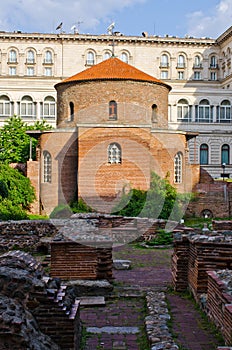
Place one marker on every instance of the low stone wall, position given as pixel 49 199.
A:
pixel 219 301
pixel 41 305
pixel 26 235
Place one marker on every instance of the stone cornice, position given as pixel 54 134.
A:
pixel 153 39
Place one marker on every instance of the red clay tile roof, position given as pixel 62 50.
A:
pixel 113 69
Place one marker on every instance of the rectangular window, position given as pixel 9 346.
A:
pixel 197 76
pixel 30 71
pixel 213 76
pixel 180 75
pixel 164 74
pixel 48 72
pixel 12 70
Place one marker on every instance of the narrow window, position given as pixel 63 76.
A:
pixel 113 110
pixel 124 57
pixel 47 167
pixel 181 61
pixel 178 164
pixel 164 61
pixel 225 154
pixel 154 113
pixel 12 56
pixel 114 153
pixel 30 57
pixel 71 111
pixel 204 154
pixel 48 57
pixel 90 58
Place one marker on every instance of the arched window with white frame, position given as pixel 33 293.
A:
pixel 224 112
pixel 114 153
pixel 183 111
pixel 12 56
pixel 5 106
pixel 181 61
pixel 27 107
pixel 204 112
pixel 49 108
pixel 30 56
pixel 124 57
pixel 48 57
pixel 178 168
pixel 164 61
pixel 90 60
pixel 47 167
pixel 106 55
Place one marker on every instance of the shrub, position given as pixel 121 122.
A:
pixel 9 211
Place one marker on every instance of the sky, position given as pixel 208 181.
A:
pixel 198 18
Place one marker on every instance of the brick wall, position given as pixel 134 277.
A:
pixel 91 102
pixel 71 260
pixel 219 304
pixel 213 196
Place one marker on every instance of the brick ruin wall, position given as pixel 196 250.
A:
pixel 198 263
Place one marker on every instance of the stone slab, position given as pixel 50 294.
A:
pixel 121 264
pixel 92 301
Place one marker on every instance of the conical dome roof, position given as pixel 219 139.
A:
pixel 113 69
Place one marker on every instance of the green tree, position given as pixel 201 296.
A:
pixel 16 193
pixel 14 141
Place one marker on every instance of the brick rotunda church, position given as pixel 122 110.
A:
pixel 112 132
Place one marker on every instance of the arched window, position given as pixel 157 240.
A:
pixel 106 55
pixel 181 61
pixel 164 63
pixel 213 62
pixel 197 61
pixel 124 57
pixel 27 107
pixel 113 110
pixel 224 112
pixel 30 56
pixel 49 107
pixel 154 113
pixel 178 165
pixel 90 58
pixel 12 56
pixel 47 167
pixel 204 113
pixel 183 111
pixel 71 111
pixel 48 57
pixel 225 154
pixel 204 154
pixel 114 153
pixel 5 106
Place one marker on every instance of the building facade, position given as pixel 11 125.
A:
pixel 112 133
pixel 197 69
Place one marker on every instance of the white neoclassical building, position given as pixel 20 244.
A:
pixel 198 70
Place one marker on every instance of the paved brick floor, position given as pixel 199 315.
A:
pixel 150 270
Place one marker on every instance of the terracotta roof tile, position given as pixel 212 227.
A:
pixel 113 69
